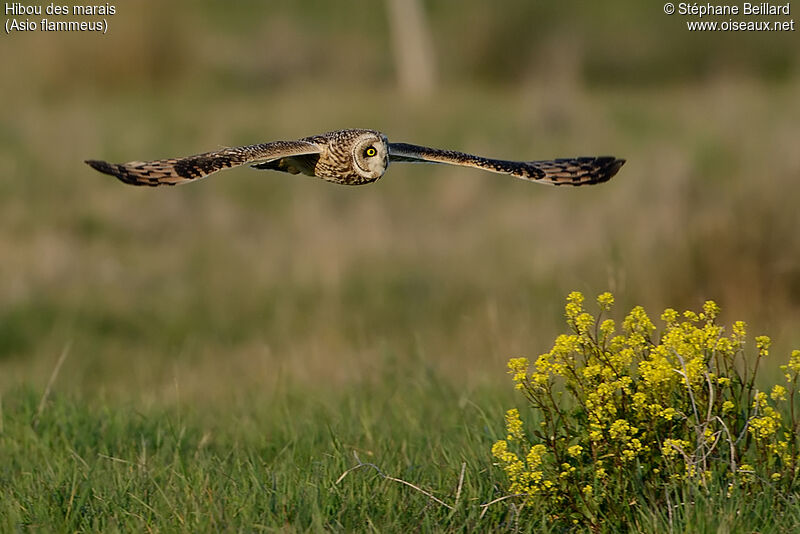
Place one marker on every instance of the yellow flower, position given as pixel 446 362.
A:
pixel 623 397
pixel 633 449
pixel 794 361
pixel 584 322
pixel 672 447
pixel 501 452
pixel 620 429
pixel 573 307
pixel 746 471
pixel 607 328
pixel 657 371
pixel 711 309
pixel 605 301
pixel 535 455
pixel 575 451
pixel 760 401
pixel 762 344
pixel 739 331
pixel 669 316
pixel 724 346
pixel 600 472
pixel 668 413
pixel 778 393
pixel 765 427
pixel 514 425
pixel 517 365
pixel 543 367
pixel 637 322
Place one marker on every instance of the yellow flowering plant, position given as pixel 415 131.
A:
pixel 629 414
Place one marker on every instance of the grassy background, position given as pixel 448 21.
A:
pixel 284 322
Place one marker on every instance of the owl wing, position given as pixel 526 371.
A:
pixel 571 171
pixel 180 170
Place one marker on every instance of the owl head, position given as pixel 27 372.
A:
pixel 370 154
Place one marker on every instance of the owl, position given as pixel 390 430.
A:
pixel 351 157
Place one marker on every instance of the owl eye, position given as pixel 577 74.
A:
pixel 370 151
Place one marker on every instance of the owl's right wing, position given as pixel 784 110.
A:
pixel 565 171
pixel 278 155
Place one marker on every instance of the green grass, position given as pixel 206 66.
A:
pixel 279 465
pixel 96 467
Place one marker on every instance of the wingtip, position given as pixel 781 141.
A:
pixel 611 168
pixel 117 171
pixel 101 166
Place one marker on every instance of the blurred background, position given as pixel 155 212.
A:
pixel 252 281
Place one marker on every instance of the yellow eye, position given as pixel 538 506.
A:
pixel 370 151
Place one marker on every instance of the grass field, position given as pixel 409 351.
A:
pixel 231 344
pixel 279 465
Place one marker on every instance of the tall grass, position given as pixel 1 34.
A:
pixel 270 466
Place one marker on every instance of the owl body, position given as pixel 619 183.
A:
pixel 352 157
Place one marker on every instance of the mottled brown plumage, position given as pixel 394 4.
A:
pixel 352 157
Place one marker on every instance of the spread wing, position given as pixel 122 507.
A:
pixel 571 171
pixel 179 170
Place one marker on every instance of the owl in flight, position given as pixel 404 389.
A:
pixel 351 157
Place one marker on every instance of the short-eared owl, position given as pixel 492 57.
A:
pixel 351 157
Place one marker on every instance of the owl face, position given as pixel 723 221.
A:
pixel 370 153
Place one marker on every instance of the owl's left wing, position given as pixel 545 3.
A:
pixel 566 171
pixel 179 170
